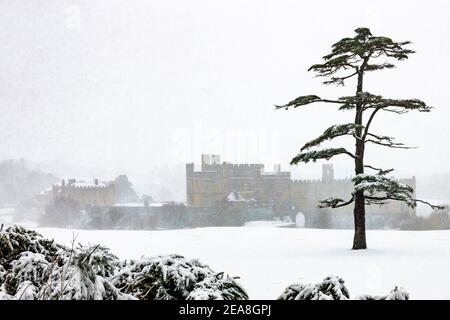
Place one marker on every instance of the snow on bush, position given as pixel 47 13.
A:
pixel 331 288
pixel 16 239
pixel 24 257
pixel 174 277
pixel 30 268
pixel 84 275
pixel 34 268
pixel 395 294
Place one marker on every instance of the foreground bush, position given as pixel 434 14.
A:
pixel 175 278
pixel 34 268
pixel 333 288
pixel 395 294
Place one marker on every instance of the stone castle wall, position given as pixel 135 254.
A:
pixel 306 194
pixel 100 195
pixel 210 187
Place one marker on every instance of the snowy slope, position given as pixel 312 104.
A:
pixel 6 215
pixel 268 259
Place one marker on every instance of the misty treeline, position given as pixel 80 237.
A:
pixel 22 179
pixel 35 268
pixel 20 182
pixel 439 219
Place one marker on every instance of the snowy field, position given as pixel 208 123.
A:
pixel 6 215
pixel 268 258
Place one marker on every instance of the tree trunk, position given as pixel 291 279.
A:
pixel 359 239
pixel 359 212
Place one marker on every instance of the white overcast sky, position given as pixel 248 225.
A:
pixel 129 85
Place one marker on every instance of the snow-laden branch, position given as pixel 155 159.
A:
pixel 326 154
pixel 383 188
pixel 335 202
pixel 385 141
pixel 397 105
pixel 304 100
pixel 331 133
pixel 379 189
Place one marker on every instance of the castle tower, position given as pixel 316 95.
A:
pixel 327 173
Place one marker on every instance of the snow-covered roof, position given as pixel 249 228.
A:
pixel 139 204
pixel 235 196
pixel 46 190
pixel 82 184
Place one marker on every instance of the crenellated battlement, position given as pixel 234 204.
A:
pixel 319 181
pixel 86 193
pixel 214 183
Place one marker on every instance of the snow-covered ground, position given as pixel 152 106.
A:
pixel 270 223
pixel 6 215
pixel 268 258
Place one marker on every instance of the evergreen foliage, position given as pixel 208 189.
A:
pixel 34 268
pixel 351 58
pixel 331 288
pixel 175 278
pixel 395 294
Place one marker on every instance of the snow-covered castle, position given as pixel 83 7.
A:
pixel 220 182
pixel 217 182
pixel 86 193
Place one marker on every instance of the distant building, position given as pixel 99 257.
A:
pixel 218 182
pixel 86 193
pixel 306 194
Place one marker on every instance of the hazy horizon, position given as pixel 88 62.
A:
pixel 126 87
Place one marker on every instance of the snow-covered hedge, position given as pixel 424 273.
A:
pixel 34 268
pixel 395 294
pixel 333 288
pixel 175 278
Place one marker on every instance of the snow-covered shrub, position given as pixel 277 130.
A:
pixel 16 239
pixel 294 290
pixel 219 287
pixel 31 268
pixel 331 288
pixel 174 277
pixel 83 275
pixel 5 296
pixel 24 257
pixel 2 274
pixel 26 291
pixel 395 294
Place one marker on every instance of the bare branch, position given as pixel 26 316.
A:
pixel 381 172
pixel 384 200
pixel 340 80
pixel 431 205
pixel 369 122
pixel 391 144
